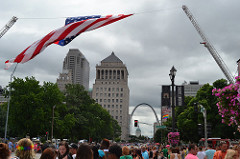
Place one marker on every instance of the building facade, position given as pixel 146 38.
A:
pixel 111 91
pixel 192 88
pixel 75 70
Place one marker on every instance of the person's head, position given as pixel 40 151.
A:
pixel 143 149
pixel 49 153
pixel 4 151
pixel 138 152
pixel 223 146
pixel 25 148
pixel 231 154
pixel 115 152
pixel 125 150
pixel 210 146
pixel 84 152
pixel 175 150
pixel 105 144
pixel 44 146
pixel 73 148
pixel 192 148
pixel 63 149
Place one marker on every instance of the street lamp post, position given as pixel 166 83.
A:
pixel 172 77
pixel 52 122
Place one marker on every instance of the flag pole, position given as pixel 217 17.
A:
pixel 9 97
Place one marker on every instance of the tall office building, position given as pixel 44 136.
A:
pixel 75 70
pixel 111 90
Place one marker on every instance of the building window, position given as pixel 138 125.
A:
pixel 100 100
pixel 96 94
pixel 117 89
pixel 112 100
pixel 96 100
pixel 121 89
pixel 108 106
pixel 97 89
pixel 120 106
pixel 120 111
pixel 109 94
pixel 121 100
pixel 120 117
pixel 100 94
pixel 116 117
pixel 105 100
pixel 113 94
pixel 109 100
pixel 113 89
pixel 116 100
pixel 121 95
pixel 112 106
pixel 117 106
pixel 109 89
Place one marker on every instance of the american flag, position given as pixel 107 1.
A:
pixel 64 35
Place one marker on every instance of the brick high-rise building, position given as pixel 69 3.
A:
pixel 111 90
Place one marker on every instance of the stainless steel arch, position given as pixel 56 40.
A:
pixel 147 105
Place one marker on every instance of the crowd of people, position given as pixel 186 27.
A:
pixel 107 150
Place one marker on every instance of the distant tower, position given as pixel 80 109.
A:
pixel 138 132
pixel 76 66
pixel 111 90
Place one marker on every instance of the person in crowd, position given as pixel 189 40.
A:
pixel 134 153
pixel 4 151
pixel 10 146
pixel 144 153
pixel 115 152
pixel 237 148
pixel 192 152
pixel 104 148
pixel 73 150
pixel 201 154
pixel 231 154
pixel 169 152
pixel 25 149
pixel 155 153
pixel 138 154
pixel 161 156
pixel 125 153
pixel 95 152
pixel 84 152
pixel 222 152
pixel 150 153
pixel 49 153
pixel 63 151
pixel 175 153
pixel 165 150
pixel 210 152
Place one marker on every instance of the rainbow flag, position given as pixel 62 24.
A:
pixel 165 116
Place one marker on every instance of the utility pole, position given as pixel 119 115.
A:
pixel 204 111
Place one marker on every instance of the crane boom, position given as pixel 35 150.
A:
pixel 208 45
pixel 8 26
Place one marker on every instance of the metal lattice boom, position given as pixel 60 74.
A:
pixel 8 26
pixel 209 46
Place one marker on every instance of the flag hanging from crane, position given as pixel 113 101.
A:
pixel 64 35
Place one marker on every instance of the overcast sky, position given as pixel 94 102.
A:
pixel 150 42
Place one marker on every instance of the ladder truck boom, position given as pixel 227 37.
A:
pixel 8 26
pixel 209 46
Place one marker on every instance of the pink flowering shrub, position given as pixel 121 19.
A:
pixel 173 138
pixel 229 102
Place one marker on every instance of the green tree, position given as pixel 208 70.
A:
pixel 31 106
pixel 92 121
pixel 161 136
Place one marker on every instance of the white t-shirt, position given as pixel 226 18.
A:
pixel 201 154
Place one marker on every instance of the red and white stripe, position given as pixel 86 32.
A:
pixel 63 33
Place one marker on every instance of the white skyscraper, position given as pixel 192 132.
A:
pixel 75 70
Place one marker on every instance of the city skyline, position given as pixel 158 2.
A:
pixel 150 42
